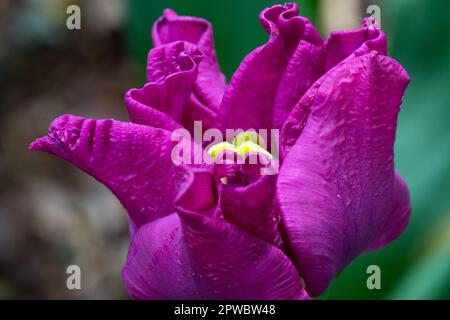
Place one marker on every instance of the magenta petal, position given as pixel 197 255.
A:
pixel 337 189
pixel 157 265
pixel 163 102
pixel 349 44
pixel 236 266
pixel 133 161
pixel 210 85
pixel 305 66
pixel 229 263
pixel 291 60
pixel 398 219
pixel 173 58
pixel 197 256
pixel 339 47
pixel 252 208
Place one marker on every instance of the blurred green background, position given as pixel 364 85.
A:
pixel 46 70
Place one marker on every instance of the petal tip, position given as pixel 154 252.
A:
pixel 270 15
pixel 169 13
pixel 58 131
pixel 40 144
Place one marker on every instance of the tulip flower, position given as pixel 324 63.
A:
pixel 220 230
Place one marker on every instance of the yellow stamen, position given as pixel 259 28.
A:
pixel 249 146
pixel 216 149
pixel 248 136
pixel 243 144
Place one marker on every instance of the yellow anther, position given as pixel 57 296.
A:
pixel 224 180
pixel 243 144
pixel 249 146
pixel 216 149
pixel 248 136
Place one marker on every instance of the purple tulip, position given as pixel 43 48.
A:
pixel 282 236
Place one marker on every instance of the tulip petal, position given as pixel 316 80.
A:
pixel 195 255
pixel 162 102
pixel 305 66
pixel 292 54
pixel 133 161
pixel 341 45
pixel 229 263
pixel 251 207
pixel 157 264
pixel 398 220
pixel 337 190
pixel 210 85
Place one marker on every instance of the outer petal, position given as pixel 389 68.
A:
pixel 163 101
pixel 398 219
pixel 157 264
pixel 229 263
pixel 337 189
pixel 200 257
pixel 210 85
pixel 249 100
pixel 339 47
pixel 133 161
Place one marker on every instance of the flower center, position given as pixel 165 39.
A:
pixel 233 162
pixel 243 144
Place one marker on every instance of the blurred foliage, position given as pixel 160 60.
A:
pixel 418 35
pixel 51 215
pixel 429 278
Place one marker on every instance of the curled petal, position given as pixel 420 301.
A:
pixel 199 193
pixel 341 45
pixel 210 84
pixel 337 189
pixel 252 208
pixel 173 58
pixel 163 102
pixel 305 66
pixel 291 56
pixel 133 161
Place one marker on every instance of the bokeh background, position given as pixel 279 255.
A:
pixel 52 215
